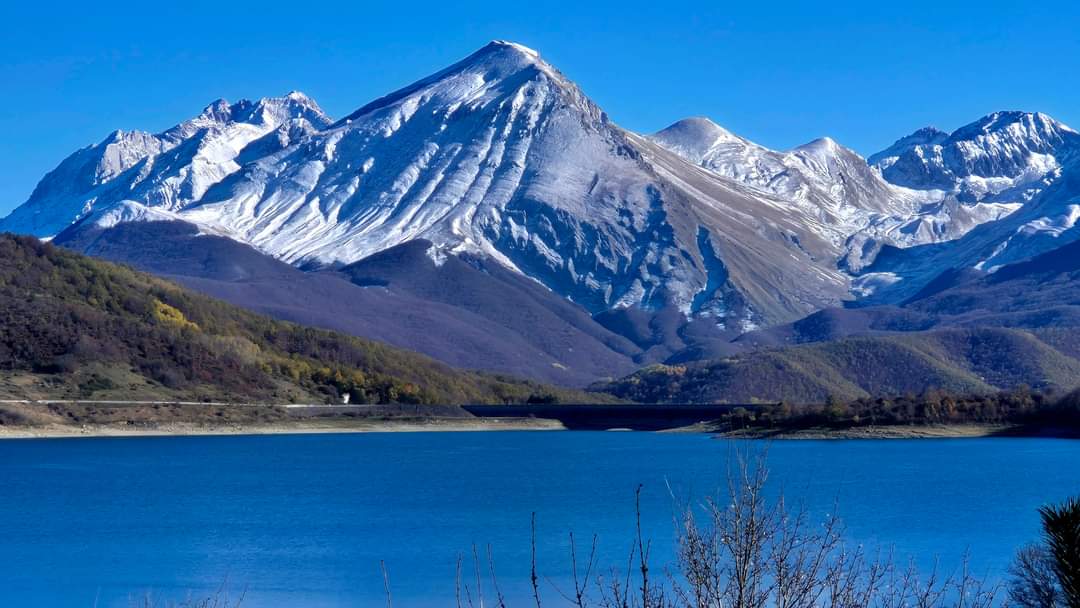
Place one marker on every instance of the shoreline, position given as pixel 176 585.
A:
pixel 300 427
pixel 937 431
pixel 457 424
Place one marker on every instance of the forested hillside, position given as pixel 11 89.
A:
pixel 75 327
pixel 959 360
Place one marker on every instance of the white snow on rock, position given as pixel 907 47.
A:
pixel 1011 174
pixel 168 170
pixel 1052 226
pixel 999 151
pixel 500 155
pixel 853 201
pixel 131 211
pixel 869 283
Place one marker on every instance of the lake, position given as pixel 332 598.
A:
pixel 304 520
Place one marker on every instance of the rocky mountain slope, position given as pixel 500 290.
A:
pixel 168 170
pixel 868 206
pixel 969 332
pixel 1025 161
pixel 994 157
pixel 1040 295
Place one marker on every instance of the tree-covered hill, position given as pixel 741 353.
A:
pixel 75 327
pixel 956 360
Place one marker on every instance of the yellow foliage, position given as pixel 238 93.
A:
pixel 172 316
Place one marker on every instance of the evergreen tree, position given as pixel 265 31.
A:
pixel 1061 525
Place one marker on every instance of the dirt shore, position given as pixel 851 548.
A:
pixel 276 428
pixel 25 420
pixel 339 425
pixel 955 431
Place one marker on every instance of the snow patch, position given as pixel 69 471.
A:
pixel 1052 226
pixel 437 255
pixel 865 285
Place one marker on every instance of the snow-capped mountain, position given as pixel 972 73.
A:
pixel 1024 161
pixel 995 157
pixel 861 209
pixel 501 157
pixel 168 170
pixel 822 176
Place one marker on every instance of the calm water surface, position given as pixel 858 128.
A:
pixel 304 520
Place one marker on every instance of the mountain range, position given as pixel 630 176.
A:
pixel 493 217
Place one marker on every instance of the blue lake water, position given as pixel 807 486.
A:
pixel 304 520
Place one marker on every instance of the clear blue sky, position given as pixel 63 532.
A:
pixel 779 73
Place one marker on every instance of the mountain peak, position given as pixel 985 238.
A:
pixel 268 111
pixel 482 70
pixel 298 96
pixel 821 145
pixel 926 133
pixel 509 46
pixel 926 136
pixel 699 127
pixel 1016 122
pixel 495 60
pixel 277 110
pixel 219 133
pixel 1013 147
pixel 295 99
pixel 694 137
pixel 219 110
pixel 826 150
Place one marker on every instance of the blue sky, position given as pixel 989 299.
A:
pixel 778 73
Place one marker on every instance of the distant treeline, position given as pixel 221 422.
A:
pixel 1022 407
